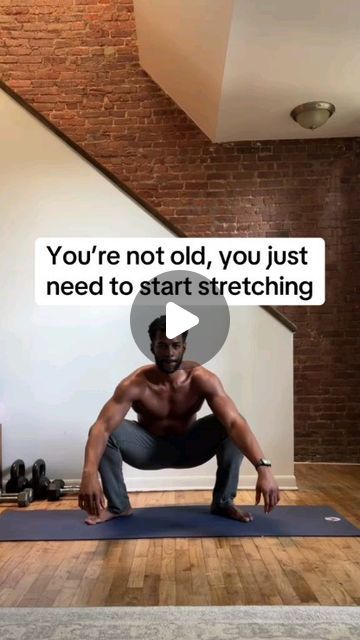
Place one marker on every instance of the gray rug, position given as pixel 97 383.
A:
pixel 181 623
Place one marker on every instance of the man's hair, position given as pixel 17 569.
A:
pixel 159 324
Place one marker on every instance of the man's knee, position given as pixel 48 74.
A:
pixel 228 450
pixel 213 422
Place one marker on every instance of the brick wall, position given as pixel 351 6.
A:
pixel 76 62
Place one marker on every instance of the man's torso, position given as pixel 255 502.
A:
pixel 168 406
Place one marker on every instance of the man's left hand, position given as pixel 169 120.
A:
pixel 267 485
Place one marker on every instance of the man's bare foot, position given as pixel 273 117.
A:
pixel 233 512
pixel 107 515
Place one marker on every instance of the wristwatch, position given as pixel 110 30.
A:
pixel 263 463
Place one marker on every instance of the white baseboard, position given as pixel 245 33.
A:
pixel 186 483
pixel 347 464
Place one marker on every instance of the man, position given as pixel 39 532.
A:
pixel 166 397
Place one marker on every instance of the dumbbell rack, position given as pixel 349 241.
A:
pixel 66 490
pixel 23 498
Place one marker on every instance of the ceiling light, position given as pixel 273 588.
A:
pixel 312 115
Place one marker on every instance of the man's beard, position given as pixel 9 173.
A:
pixel 166 366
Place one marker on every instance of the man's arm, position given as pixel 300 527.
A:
pixel 109 418
pixel 91 497
pixel 240 432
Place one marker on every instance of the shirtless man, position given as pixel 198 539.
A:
pixel 166 397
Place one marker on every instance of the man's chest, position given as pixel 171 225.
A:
pixel 162 402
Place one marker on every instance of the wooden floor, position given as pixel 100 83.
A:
pixel 209 571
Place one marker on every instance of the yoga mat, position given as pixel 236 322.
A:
pixel 190 521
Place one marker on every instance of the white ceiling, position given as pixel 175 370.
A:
pixel 238 67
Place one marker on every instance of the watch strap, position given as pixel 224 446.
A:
pixel 263 463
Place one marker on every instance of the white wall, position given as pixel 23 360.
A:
pixel 59 365
pixel 183 46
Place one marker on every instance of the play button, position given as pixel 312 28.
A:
pixel 178 320
pixel 190 303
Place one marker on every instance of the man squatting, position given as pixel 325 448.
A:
pixel 166 397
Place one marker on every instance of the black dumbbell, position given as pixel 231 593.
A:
pixel 57 489
pixel 39 482
pixel 23 498
pixel 17 481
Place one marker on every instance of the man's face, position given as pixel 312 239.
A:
pixel 168 352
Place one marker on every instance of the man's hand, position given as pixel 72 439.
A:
pixel 91 496
pixel 267 485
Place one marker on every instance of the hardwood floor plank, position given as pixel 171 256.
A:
pixel 252 593
pixel 319 573
pixel 281 582
pixel 200 586
pixel 183 576
pixel 261 572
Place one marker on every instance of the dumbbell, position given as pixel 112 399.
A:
pixel 17 482
pixel 23 498
pixel 57 489
pixel 39 482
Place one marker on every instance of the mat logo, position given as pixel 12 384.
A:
pixel 332 519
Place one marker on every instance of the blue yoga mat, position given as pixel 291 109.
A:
pixel 190 521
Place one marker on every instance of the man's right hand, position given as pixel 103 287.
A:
pixel 91 496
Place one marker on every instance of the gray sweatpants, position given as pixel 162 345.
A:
pixel 132 444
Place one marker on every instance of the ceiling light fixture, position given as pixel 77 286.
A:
pixel 312 115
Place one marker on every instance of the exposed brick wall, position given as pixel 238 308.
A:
pixel 76 62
